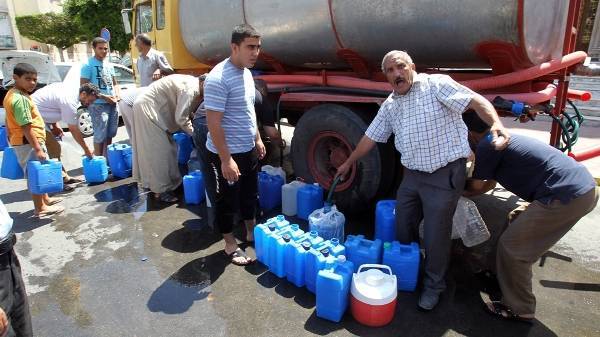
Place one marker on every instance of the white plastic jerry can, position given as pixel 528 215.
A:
pixel 289 197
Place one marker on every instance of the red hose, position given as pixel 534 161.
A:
pixel 528 74
pixel 499 81
pixel 579 95
pixel 528 97
pixel 334 81
pixel 586 154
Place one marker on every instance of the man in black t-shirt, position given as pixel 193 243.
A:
pixel 559 190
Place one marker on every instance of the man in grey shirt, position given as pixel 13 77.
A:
pixel 152 64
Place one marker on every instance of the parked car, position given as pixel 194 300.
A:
pixel 69 73
pixel 50 72
pixel 40 61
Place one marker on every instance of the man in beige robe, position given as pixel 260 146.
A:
pixel 164 108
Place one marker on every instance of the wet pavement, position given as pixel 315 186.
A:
pixel 119 264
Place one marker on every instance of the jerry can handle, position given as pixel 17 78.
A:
pixel 374 266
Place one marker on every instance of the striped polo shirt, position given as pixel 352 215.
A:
pixel 230 90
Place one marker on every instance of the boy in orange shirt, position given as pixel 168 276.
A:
pixel 26 131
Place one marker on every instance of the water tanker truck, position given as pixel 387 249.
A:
pixel 322 62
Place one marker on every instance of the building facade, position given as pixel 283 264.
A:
pixel 11 39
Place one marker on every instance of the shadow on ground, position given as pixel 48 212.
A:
pixel 189 284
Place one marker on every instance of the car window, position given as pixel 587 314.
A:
pixel 123 76
pixel 63 70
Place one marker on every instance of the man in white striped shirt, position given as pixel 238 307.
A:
pixel 233 142
pixel 424 113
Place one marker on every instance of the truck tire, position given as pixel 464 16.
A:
pixel 323 138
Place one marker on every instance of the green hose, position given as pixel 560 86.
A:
pixel 570 127
pixel 332 188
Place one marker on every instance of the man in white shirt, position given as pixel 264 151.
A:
pixel 424 112
pixel 152 64
pixel 59 104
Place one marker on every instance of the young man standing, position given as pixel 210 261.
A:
pixel 103 111
pixel 234 144
pixel 27 132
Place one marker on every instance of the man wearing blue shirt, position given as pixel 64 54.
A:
pixel 233 142
pixel 560 191
pixel 103 111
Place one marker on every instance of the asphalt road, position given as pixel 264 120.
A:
pixel 118 264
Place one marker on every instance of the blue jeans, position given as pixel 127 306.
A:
pixel 105 121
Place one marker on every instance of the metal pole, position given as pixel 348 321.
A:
pixel 563 75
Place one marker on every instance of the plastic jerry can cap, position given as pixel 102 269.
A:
pixel 341 259
pixel 325 252
pixel 387 245
pixel 286 237
pixel 306 245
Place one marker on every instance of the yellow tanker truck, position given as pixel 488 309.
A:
pixel 321 60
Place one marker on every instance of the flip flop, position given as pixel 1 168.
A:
pixel 55 201
pixel 501 311
pixel 49 212
pixel 239 253
pixel 167 197
pixel 68 188
pixel 72 180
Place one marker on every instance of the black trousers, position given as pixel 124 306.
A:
pixel 230 199
pixel 13 298
pixel 432 197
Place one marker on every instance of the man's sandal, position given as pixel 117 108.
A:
pixel 237 254
pixel 54 201
pixel 49 212
pixel 499 310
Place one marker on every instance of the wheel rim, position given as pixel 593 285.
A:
pixel 326 152
pixel 85 124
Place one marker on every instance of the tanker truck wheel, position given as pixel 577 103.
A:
pixel 323 139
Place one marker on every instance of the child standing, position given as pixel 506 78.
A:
pixel 26 131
